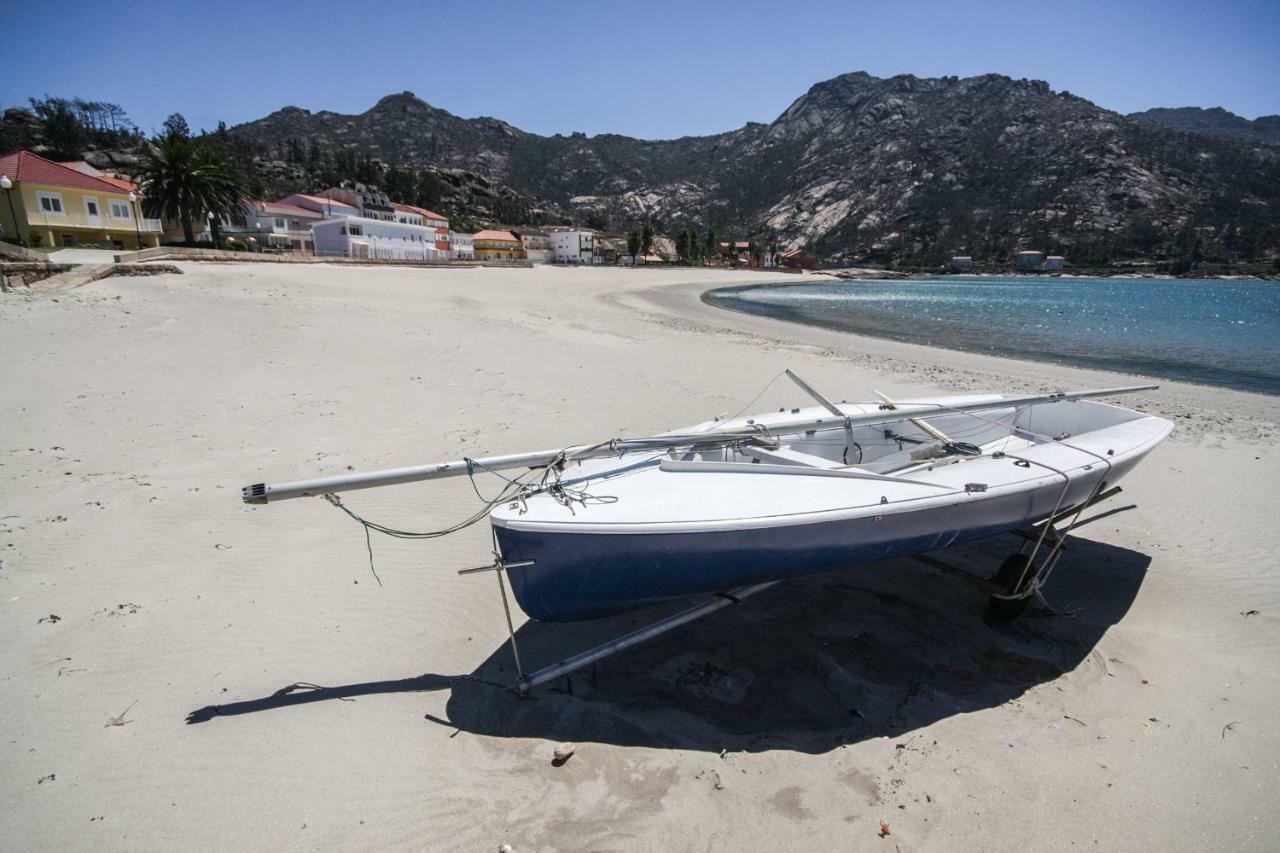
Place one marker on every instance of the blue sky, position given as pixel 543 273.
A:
pixel 649 69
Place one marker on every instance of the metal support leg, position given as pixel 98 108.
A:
pixel 506 608
pixel 626 641
pixel 498 567
pixel 1031 535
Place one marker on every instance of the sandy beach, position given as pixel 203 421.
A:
pixel 181 671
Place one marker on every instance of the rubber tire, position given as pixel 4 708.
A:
pixel 1001 611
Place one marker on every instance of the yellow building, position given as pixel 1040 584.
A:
pixel 498 246
pixel 53 206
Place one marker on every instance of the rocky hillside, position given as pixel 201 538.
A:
pixel 1214 122
pixel 860 169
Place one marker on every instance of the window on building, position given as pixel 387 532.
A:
pixel 50 203
pixel 356 230
pixel 91 207
pixel 279 222
pixel 68 239
pixel 119 210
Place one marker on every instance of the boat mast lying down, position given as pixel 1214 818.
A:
pixel 261 493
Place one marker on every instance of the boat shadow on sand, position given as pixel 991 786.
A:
pixel 809 665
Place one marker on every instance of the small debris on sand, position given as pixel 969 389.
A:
pixel 563 753
pixel 884 829
pixel 51 618
pixel 120 720
pixel 51 777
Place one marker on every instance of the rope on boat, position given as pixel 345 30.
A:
pixel 753 400
pixel 511 490
pixel 539 480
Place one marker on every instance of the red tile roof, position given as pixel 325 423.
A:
pixel 421 211
pixel 327 202
pixel 496 235
pixel 121 183
pixel 25 166
pixel 94 172
pixel 291 209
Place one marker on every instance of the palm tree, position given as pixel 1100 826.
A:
pixel 184 180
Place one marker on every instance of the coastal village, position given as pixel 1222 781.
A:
pixel 72 204
pixel 66 205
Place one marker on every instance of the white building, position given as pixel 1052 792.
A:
pixel 407 214
pixel 269 225
pixel 537 244
pixel 1055 262
pixel 573 246
pixel 371 203
pixel 361 237
pixel 284 225
pixel 462 246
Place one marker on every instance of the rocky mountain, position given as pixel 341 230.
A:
pixel 1214 121
pixel 861 169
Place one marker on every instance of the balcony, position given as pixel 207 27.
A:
pixel 78 219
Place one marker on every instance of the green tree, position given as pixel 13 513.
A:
pixel 646 239
pixel 428 191
pixel 175 127
pixel 682 246
pixel 711 247
pixel 692 240
pixel 399 184
pixel 64 135
pixel 183 180
pixel 634 243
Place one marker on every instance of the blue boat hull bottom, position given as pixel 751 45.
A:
pixel 577 576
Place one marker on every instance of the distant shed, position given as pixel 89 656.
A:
pixel 799 259
pixel 1055 262
pixel 962 262
pixel 1029 260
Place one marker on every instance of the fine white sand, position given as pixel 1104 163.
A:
pixel 275 697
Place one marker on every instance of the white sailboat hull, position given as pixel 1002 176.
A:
pixel 647 527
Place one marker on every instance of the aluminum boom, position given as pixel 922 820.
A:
pixel 261 493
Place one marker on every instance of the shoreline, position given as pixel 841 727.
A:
pixel 869 273
pixel 706 298
pixel 1198 410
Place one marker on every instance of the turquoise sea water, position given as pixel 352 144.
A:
pixel 1209 332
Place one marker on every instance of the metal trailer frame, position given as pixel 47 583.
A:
pixel 1023 588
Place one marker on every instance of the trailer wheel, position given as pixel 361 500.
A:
pixel 1001 611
